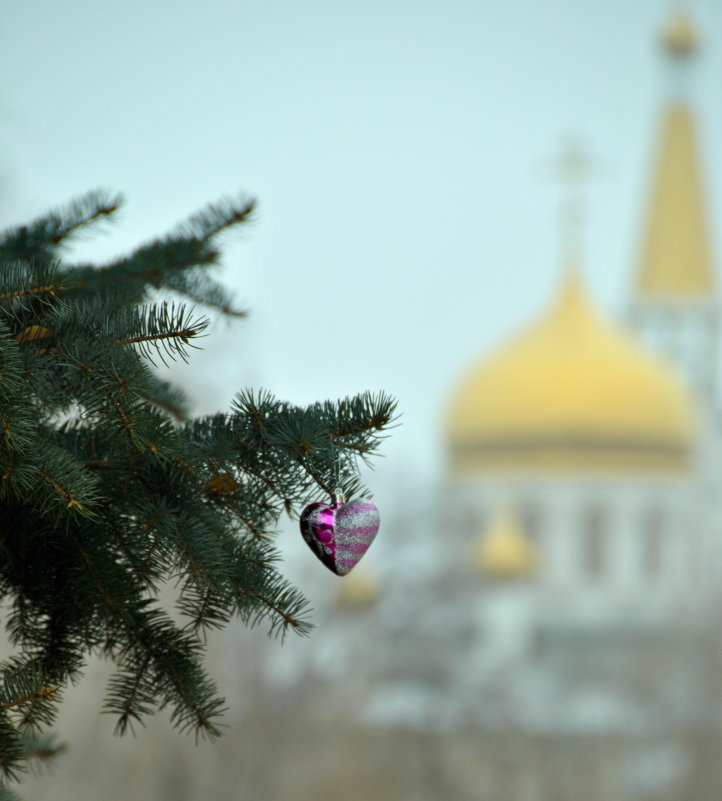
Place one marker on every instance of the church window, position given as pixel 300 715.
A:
pixel 532 520
pixel 652 542
pixel 594 552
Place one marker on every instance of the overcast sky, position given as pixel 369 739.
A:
pixel 399 152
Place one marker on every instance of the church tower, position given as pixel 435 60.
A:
pixel 674 305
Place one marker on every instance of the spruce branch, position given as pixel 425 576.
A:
pixel 218 218
pixel 111 493
pixel 25 689
pixel 131 696
pixel 31 698
pixel 167 329
pixel 12 754
pixel 33 290
pixel 41 238
pixel 212 297
pixel 73 503
pixel 41 748
pixel 87 212
pixel 6 794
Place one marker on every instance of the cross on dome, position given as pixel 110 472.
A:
pixel 572 168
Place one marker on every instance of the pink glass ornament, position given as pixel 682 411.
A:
pixel 340 533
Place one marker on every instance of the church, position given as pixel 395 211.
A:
pixel 582 454
pixel 560 627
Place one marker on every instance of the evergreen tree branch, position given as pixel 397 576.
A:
pixel 211 299
pixel 8 795
pixel 35 290
pixel 38 695
pixel 109 492
pixel 219 217
pixel 11 749
pixel 85 212
pixel 65 495
pixel 41 238
pixel 41 748
pixel 167 329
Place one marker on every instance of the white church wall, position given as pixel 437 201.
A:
pixel 648 571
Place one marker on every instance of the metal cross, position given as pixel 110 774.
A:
pixel 572 168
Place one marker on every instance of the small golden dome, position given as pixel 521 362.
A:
pixel 572 391
pixel 359 588
pixel 680 36
pixel 504 551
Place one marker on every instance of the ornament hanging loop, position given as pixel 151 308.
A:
pixel 339 496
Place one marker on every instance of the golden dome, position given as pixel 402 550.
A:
pixel 504 551
pixel 680 36
pixel 571 392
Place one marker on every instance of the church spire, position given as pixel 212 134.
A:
pixel 675 306
pixel 680 36
pixel 676 262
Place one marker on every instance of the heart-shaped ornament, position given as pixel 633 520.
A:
pixel 340 533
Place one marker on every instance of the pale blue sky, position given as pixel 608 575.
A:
pixel 399 152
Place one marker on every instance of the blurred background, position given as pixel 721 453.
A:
pixel 508 212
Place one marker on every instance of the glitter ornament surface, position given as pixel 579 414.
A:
pixel 340 533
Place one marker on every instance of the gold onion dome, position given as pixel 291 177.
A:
pixel 504 551
pixel 571 392
pixel 680 36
